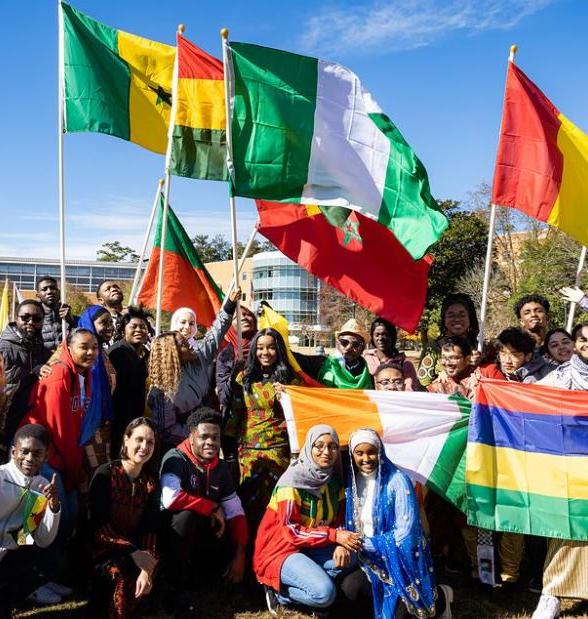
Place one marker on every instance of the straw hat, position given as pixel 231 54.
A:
pixel 353 327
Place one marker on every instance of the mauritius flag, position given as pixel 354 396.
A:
pixel 542 160
pixel 186 281
pixel 115 82
pixel 306 131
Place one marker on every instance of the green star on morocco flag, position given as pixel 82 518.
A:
pixel 186 281
pixel 305 131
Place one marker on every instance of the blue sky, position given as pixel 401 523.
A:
pixel 436 67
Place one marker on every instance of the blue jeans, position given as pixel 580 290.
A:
pixel 307 577
pixel 68 503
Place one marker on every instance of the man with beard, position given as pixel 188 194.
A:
pixel 23 354
pixel 532 311
pixel 55 312
pixel 110 295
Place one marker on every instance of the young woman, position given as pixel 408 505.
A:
pixel 129 357
pixel 395 555
pixel 458 317
pixel 180 375
pixel 257 422
pixel 383 341
pixel 558 346
pixel 96 425
pixel 183 321
pixel 300 547
pixel 124 509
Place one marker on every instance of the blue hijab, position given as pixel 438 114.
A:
pixel 100 408
pixel 397 558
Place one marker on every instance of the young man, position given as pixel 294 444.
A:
pixel 347 369
pixel 517 358
pixel 110 295
pixel 29 502
pixel 389 377
pixel 23 354
pixel 208 530
pixel 456 359
pixel 55 312
pixel 532 312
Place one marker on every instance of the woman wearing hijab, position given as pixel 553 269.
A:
pixel 183 321
pixel 300 548
pixel 382 507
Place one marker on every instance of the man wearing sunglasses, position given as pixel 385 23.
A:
pixel 23 353
pixel 347 369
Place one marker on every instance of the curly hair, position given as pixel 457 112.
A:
pixel 165 368
pixel 460 298
pixel 530 298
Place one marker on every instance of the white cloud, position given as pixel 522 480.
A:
pixel 386 26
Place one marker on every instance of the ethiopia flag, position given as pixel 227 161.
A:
pixel 352 253
pixel 115 82
pixel 186 281
pixel 527 460
pixel 198 147
pixel 425 434
pixel 306 131
pixel 542 160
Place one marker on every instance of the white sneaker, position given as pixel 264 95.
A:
pixel 448 592
pixel 60 589
pixel 44 595
pixel 548 608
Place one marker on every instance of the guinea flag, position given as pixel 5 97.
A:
pixel 306 131
pixel 115 82
pixel 186 281
pixel 359 257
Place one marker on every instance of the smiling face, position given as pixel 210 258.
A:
pixel 350 346
pixel 248 322
pixel 104 327
pixel 205 441
pixel 84 350
pixel 29 320
pixel 29 454
pixel 560 347
pixel 381 338
pixel 389 379
pixel 581 344
pixel 139 446
pixel 325 451
pixel 533 317
pixel 366 458
pixel 136 332
pixel 457 320
pixel 266 351
pixel 185 351
pixel 454 362
pixel 186 324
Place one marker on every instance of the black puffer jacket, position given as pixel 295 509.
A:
pixel 23 359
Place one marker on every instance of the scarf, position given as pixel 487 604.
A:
pixel 333 373
pixel 573 374
pixel 100 407
pixel 305 473
pixel 175 324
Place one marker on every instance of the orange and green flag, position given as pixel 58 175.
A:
pixel 115 82
pixel 198 148
pixel 186 281
pixel 542 160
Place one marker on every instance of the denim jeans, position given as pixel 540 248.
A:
pixel 68 504
pixel 307 577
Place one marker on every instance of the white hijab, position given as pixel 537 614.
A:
pixel 175 323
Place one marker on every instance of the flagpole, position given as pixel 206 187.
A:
pixel 61 184
pixel 170 134
pixel 135 286
pixel 488 265
pixel 243 257
pixel 225 43
pixel 573 304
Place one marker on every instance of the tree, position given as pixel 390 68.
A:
pixel 217 248
pixel 115 252
pixel 336 309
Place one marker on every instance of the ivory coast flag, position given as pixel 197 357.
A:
pixel 115 82
pixel 424 434
pixel 198 148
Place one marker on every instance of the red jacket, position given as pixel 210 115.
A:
pixel 296 519
pixel 55 403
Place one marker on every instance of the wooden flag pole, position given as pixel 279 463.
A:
pixel 488 264
pixel 573 304
pixel 135 287
pixel 225 44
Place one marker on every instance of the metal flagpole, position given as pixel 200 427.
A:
pixel 135 288
pixel 488 265
pixel 172 119
pixel 61 184
pixel 225 43
pixel 572 312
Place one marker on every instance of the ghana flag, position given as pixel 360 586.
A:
pixel 542 160
pixel 115 82
pixel 186 281
pixel 198 148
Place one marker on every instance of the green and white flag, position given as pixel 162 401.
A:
pixel 305 131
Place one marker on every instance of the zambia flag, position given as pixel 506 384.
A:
pixel 115 82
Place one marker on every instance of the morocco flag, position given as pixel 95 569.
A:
pixel 186 282
pixel 356 255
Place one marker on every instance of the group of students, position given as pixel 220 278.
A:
pixel 118 435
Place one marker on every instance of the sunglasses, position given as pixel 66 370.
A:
pixel 35 318
pixel 345 343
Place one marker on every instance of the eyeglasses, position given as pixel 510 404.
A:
pixel 36 318
pixel 345 343
pixel 330 447
pixel 397 382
